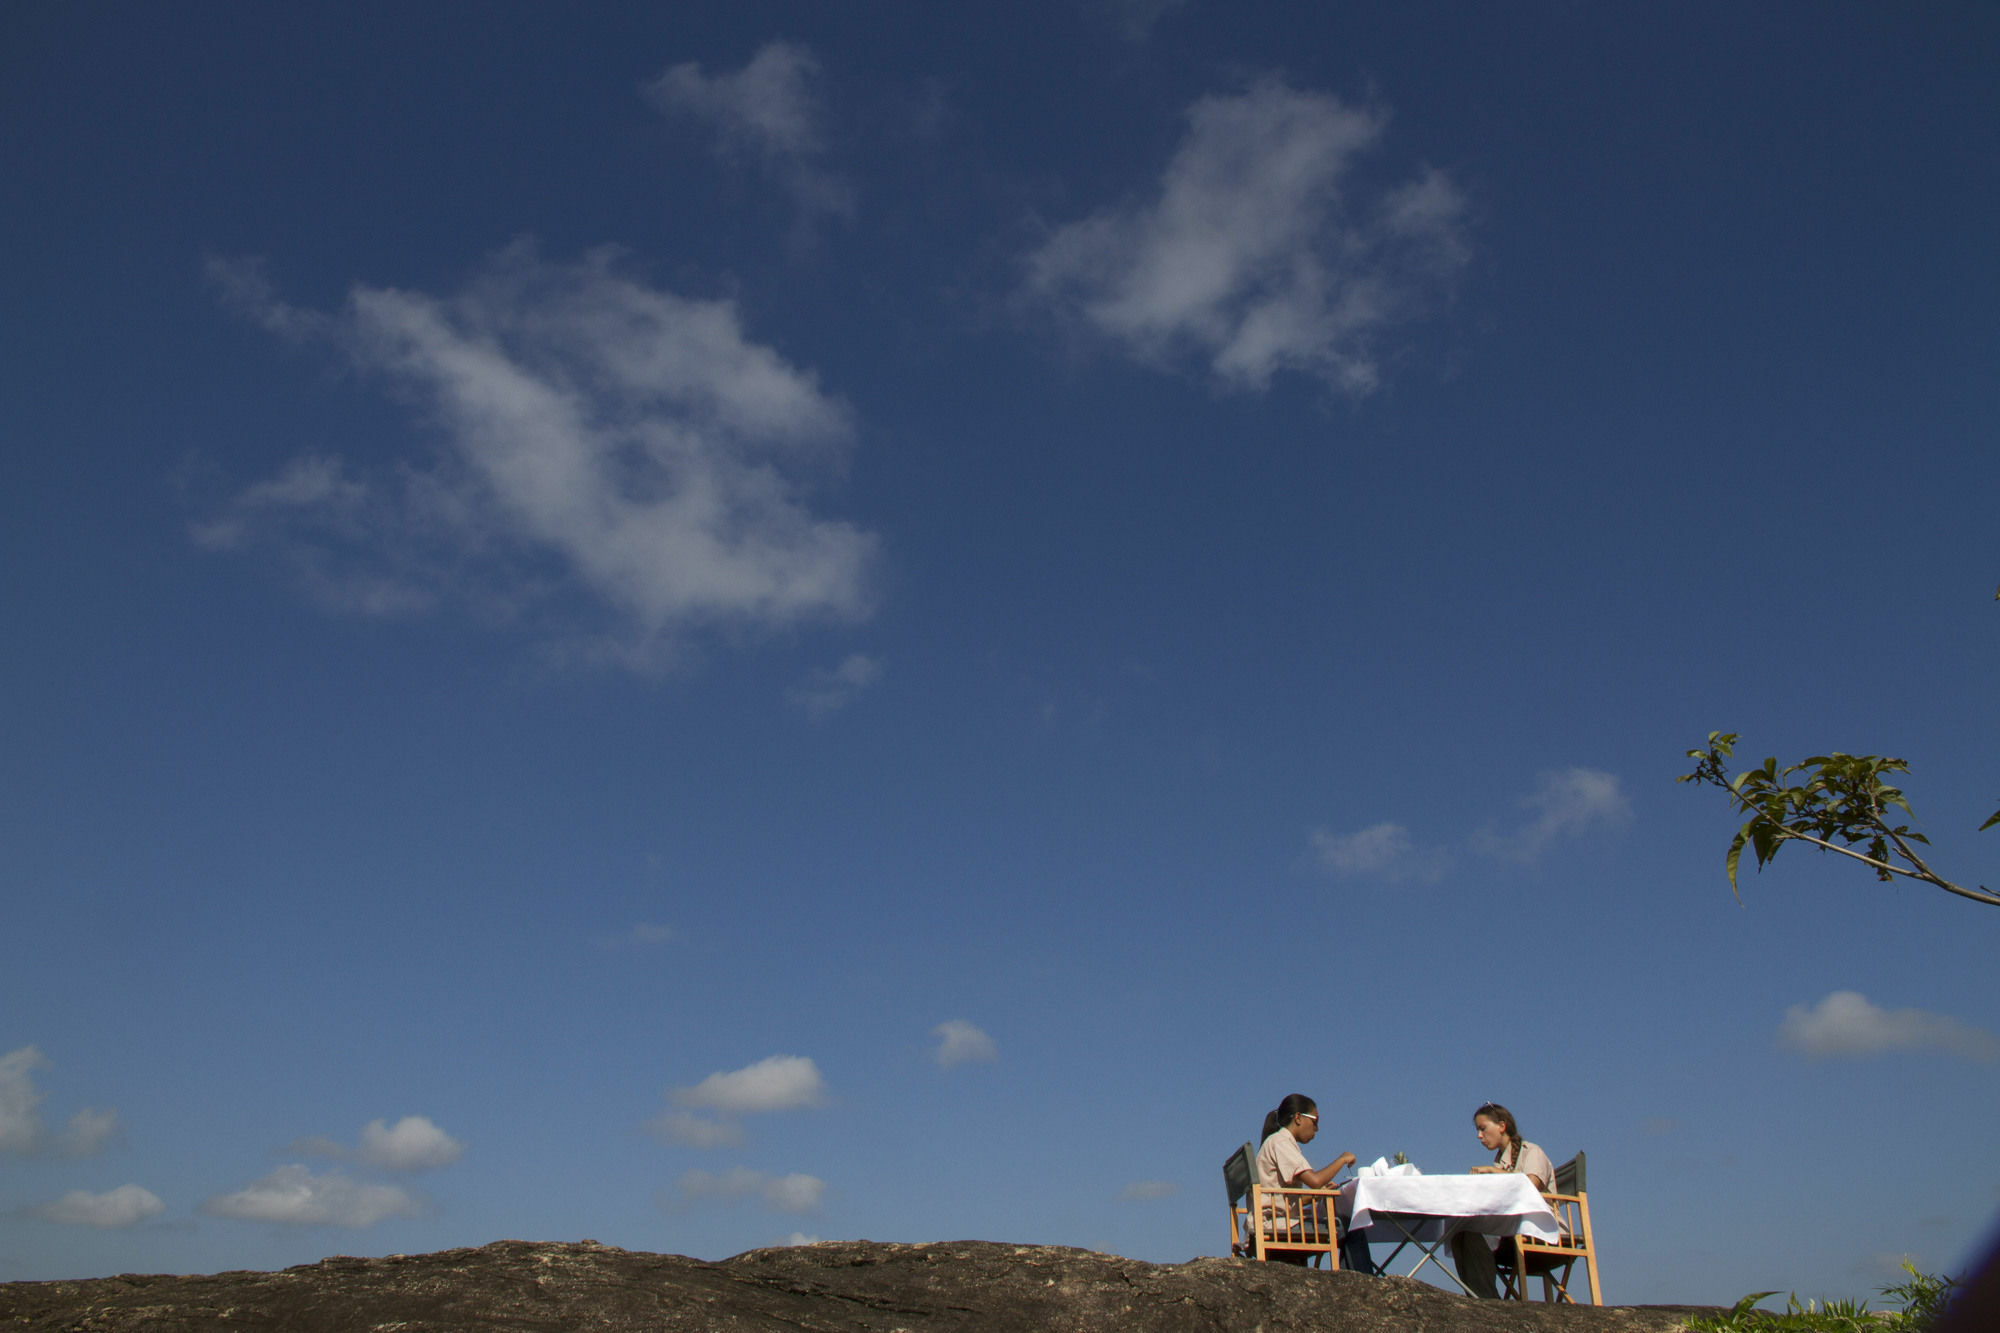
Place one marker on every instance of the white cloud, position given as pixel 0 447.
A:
pixel 294 1196
pixel 1565 804
pixel 1261 251
pixel 777 1083
pixel 20 1125
pixel 959 1042
pixel 126 1206
pixel 87 1132
pixel 795 1193
pixel 829 690
pixel 1140 1191
pixel 1846 1024
pixel 411 1144
pixel 695 1131
pixel 767 111
pixel 599 435
pixel 799 1238
pixel 1383 851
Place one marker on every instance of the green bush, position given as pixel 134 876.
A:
pixel 1923 1298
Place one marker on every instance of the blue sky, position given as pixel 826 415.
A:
pixel 705 624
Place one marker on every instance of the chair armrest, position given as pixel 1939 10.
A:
pixel 1276 1194
pixel 1289 1204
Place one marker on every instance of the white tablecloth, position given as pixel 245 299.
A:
pixel 1496 1205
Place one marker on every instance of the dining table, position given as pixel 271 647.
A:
pixel 1426 1211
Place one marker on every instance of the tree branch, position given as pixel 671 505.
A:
pixel 1843 796
pixel 1921 872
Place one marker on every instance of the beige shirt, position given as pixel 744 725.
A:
pixel 1279 1161
pixel 1532 1162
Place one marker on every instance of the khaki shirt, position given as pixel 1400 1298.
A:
pixel 1532 1162
pixel 1279 1161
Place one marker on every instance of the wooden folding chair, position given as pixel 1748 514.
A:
pixel 1239 1173
pixel 1543 1259
pixel 1299 1220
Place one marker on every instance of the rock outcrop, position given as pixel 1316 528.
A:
pixel 831 1287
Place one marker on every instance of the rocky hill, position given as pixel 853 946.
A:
pixel 832 1287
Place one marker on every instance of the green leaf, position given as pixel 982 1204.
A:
pixel 1742 1307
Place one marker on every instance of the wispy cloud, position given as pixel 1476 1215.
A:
pixel 599 435
pixel 695 1131
pixel 294 1196
pixel 769 113
pixel 795 1193
pixel 1142 1191
pixel 828 690
pixel 775 1083
pixel 1845 1024
pixel 959 1042
pixel 317 1145
pixel 1382 851
pixel 1135 18
pixel 22 1132
pixel 1564 804
pixel 113 1210
pixel 643 935
pixel 1885 1266
pixel 87 1132
pixel 1261 251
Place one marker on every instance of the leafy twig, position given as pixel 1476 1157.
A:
pixel 1843 797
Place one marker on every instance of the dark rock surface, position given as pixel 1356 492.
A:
pixel 833 1287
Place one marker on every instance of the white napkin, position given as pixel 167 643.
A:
pixel 1381 1166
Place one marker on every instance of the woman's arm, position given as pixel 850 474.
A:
pixel 1495 1169
pixel 1318 1179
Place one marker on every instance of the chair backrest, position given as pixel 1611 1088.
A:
pixel 1569 1177
pixel 1239 1171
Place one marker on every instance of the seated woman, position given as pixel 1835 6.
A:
pixel 1281 1164
pixel 1473 1252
